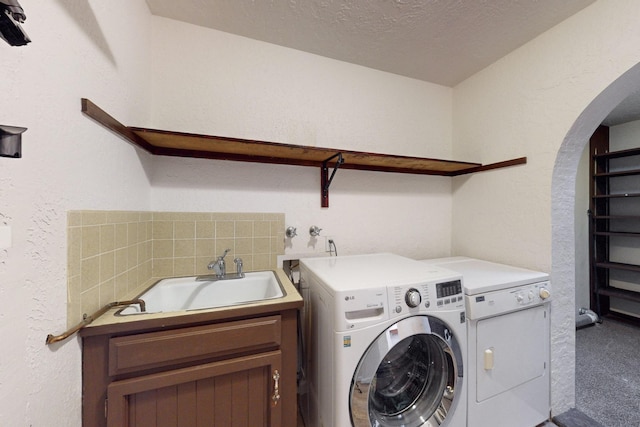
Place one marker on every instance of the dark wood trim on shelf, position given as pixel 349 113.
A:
pixel 617 154
pixel 617 233
pixel 491 166
pixel 100 116
pixel 161 142
pixel 617 266
pixel 615 174
pixel 169 143
pixel 605 217
pixel 614 196
pixel 598 208
pixel 620 293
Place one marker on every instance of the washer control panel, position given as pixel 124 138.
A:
pixel 429 296
pixel 449 293
pixel 364 307
pixel 504 301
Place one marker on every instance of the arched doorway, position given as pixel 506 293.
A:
pixel 563 254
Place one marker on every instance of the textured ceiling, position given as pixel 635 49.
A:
pixel 439 41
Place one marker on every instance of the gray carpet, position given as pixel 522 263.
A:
pixel 608 373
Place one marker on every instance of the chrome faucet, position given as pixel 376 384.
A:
pixel 218 265
pixel 220 269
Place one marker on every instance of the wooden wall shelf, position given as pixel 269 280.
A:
pixel 168 143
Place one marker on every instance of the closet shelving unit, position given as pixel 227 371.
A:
pixel 169 143
pixel 615 215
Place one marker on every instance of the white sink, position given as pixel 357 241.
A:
pixel 189 293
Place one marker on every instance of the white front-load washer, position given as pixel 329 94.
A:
pixel 385 343
pixel 508 342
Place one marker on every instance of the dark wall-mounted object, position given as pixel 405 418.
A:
pixel 11 15
pixel 325 179
pixel 11 141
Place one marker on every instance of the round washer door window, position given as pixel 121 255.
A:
pixel 407 377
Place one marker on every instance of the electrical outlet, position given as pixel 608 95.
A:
pixel 327 245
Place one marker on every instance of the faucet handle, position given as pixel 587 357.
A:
pixel 226 251
pixel 218 265
pixel 238 262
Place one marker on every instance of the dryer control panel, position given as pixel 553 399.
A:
pixel 504 301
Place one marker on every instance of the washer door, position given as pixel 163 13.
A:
pixel 408 376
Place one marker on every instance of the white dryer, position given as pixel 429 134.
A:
pixel 385 343
pixel 508 342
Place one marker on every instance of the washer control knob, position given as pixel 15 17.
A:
pixel 413 298
pixel 519 297
pixel 398 308
pixel 530 295
pixel 544 293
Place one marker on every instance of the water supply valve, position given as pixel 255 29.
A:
pixel 314 231
pixel 291 232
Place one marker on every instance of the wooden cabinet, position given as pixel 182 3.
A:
pixel 232 373
pixel 236 392
pixel 614 224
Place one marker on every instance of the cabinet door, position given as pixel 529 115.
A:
pixel 240 392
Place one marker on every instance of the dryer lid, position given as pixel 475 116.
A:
pixel 479 276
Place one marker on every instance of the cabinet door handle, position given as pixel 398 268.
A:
pixel 276 387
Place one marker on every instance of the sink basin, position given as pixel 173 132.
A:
pixel 191 293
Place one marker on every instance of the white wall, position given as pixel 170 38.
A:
pixel 79 49
pixel 541 101
pixel 233 86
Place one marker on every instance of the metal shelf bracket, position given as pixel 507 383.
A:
pixel 325 179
